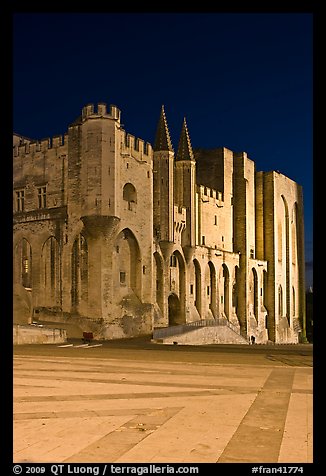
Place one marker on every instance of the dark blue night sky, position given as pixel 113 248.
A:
pixel 243 81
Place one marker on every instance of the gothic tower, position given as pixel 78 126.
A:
pixel 163 165
pixel 185 184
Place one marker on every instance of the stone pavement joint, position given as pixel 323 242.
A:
pixel 115 444
pixel 212 406
pixel 260 434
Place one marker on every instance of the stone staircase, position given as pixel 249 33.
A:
pixel 205 331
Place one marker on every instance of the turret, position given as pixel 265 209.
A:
pixel 94 171
pixel 185 184
pixel 163 181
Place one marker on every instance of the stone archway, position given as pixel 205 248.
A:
pixel 127 268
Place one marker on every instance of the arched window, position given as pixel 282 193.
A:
pixel 129 195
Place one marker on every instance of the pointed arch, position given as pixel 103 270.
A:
pixel 177 282
pixel 128 263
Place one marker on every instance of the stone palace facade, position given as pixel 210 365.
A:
pixel 122 237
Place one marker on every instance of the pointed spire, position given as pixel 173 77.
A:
pixel 162 138
pixel 184 149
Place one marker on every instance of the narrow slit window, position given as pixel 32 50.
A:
pixel 20 200
pixel 41 194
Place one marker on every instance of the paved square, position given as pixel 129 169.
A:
pixel 126 405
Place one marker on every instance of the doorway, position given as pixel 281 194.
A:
pixel 174 310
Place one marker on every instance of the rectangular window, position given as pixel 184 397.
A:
pixel 122 277
pixel 20 200
pixel 173 261
pixel 215 220
pixel 202 240
pixel 41 197
pixel 207 290
pixel 191 289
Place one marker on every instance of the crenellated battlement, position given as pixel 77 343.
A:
pixel 135 147
pixel 207 193
pixel 32 147
pixel 89 111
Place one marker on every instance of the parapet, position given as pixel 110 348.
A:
pixel 135 147
pixel 207 193
pixel 101 111
pixel 43 145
